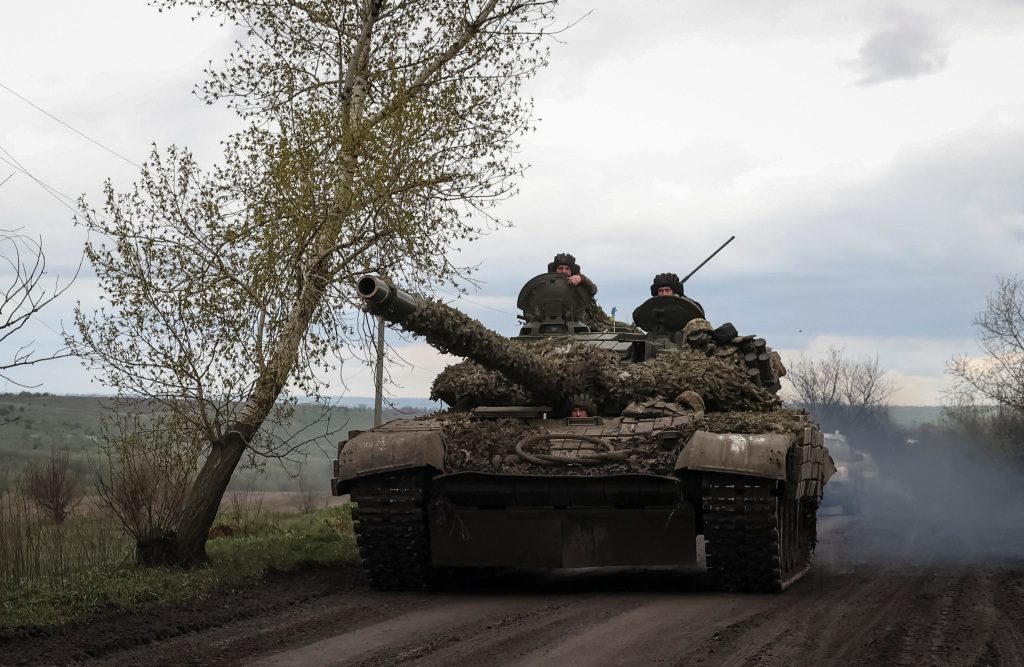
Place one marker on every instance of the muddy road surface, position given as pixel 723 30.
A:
pixel 887 591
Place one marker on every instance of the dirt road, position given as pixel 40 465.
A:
pixel 893 591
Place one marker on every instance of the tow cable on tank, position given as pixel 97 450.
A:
pixel 590 458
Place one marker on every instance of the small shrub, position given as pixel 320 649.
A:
pixel 147 478
pixel 52 486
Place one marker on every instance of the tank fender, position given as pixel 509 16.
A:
pixel 757 454
pixel 387 449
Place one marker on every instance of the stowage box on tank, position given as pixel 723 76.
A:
pixel 568 447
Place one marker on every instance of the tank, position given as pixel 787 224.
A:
pixel 567 447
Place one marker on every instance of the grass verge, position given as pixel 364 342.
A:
pixel 242 555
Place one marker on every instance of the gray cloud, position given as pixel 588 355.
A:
pixel 907 48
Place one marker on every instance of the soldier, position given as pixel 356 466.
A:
pixel 565 264
pixel 666 284
pixel 581 405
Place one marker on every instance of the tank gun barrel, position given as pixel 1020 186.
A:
pixel 454 332
pixel 384 299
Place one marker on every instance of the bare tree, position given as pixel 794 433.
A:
pixel 997 378
pixel 24 293
pixel 838 390
pixel 818 383
pixel 380 134
pixel 52 486
pixel 987 399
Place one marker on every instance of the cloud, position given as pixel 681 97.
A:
pixel 907 48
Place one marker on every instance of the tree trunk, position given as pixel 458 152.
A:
pixel 204 500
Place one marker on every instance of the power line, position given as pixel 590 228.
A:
pixel 53 192
pixel 76 131
pixel 468 300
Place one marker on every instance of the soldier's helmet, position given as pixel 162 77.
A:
pixel 667 280
pixel 564 258
pixel 695 325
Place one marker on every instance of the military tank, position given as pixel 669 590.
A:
pixel 566 447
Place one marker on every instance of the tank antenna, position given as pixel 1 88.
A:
pixel 707 260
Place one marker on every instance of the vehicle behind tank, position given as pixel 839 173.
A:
pixel 683 436
pixel 857 476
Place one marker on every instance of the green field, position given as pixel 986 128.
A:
pixel 34 424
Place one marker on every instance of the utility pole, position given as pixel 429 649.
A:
pixel 378 384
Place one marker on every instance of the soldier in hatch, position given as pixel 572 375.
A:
pixel 565 264
pixel 593 316
pixel 666 284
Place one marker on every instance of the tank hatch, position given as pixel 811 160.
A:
pixel 666 314
pixel 551 306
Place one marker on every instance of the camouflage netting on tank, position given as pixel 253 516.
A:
pixel 595 318
pixel 783 420
pixel 609 381
pixel 762 365
pixel 490 446
pixel 451 331
pixel 466 385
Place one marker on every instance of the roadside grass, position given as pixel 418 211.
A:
pixel 243 552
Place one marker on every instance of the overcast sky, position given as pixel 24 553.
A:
pixel 868 156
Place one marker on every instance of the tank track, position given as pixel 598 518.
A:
pixel 391 530
pixel 755 540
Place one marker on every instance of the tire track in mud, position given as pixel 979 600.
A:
pixel 1008 601
pixel 1000 640
pixel 654 632
pixel 406 637
pixel 781 630
pixel 961 631
pixel 855 621
pixel 488 642
pixel 967 628
pixel 800 627
pixel 913 636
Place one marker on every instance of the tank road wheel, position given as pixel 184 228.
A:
pixel 390 523
pixel 756 540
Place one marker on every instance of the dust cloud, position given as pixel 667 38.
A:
pixel 931 505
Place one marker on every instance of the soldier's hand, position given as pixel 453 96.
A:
pixel 575 280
